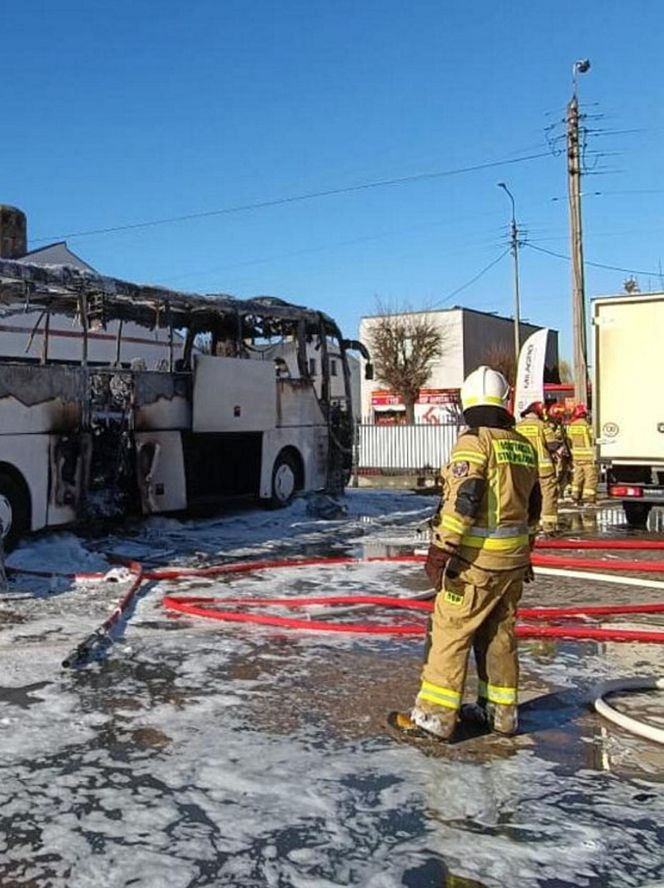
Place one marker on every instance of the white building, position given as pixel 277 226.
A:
pixel 468 338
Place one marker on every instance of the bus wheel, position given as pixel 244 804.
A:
pixel 14 510
pixel 284 480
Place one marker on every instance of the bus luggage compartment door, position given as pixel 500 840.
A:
pixel 234 395
pixel 160 472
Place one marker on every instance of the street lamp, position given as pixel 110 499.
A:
pixel 582 66
pixel 574 170
pixel 514 246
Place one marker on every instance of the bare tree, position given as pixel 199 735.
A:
pixel 500 357
pixel 403 346
pixel 565 370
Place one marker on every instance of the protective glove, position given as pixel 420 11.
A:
pixel 434 566
pixel 529 576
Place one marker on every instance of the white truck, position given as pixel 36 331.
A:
pixel 628 399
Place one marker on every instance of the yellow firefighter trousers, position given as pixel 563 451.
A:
pixel 584 481
pixel 476 608
pixel 549 488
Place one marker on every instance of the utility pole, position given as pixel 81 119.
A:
pixel 580 350
pixel 514 248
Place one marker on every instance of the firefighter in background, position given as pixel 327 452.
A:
pixel 479 557
pixel 584 477
pixel 535 428
pixel 563 456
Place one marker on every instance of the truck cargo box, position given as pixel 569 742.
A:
pixel 628 398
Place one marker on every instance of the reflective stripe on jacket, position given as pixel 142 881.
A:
pixel 543 440
pixel 488 509
pixel 581 438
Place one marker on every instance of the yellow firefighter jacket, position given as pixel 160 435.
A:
pixel 581 438
pixel 491 500
pixel 543 439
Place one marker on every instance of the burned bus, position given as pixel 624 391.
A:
pixel 238 400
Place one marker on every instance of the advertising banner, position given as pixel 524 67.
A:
pixel 530 373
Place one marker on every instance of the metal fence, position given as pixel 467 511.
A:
pixel 405 448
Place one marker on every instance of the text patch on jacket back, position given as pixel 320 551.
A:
pixel 517 453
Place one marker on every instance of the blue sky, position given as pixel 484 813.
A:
pixel 125 111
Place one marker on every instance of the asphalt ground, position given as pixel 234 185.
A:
pixel 200 753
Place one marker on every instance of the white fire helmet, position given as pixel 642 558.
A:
pixel 484 387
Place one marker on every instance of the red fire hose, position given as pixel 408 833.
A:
pixel 101 638
pixel 634 545
pixel 593 564
pixel 205 606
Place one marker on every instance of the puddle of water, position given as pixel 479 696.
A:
pixel 611 520
pixel 23 697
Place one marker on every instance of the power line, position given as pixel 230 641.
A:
pixel 624 192
pixel 324 247
pixel 472 280
pixel 594 264
pixel 263 204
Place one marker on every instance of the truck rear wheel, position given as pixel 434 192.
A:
pixel 637 514
pixel 14 510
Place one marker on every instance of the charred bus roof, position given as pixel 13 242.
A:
pixel 62 289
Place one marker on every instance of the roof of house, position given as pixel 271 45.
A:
pixel 57 253
pixel 433 311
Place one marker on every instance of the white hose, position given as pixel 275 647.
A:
pixel 598 577
pixel 633 725
pixel 641 729
pixel 322 612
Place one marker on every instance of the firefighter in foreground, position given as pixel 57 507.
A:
pixel 584 477
pixel 480 555
pixel 537 430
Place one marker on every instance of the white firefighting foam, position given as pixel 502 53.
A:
pixel 152 769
